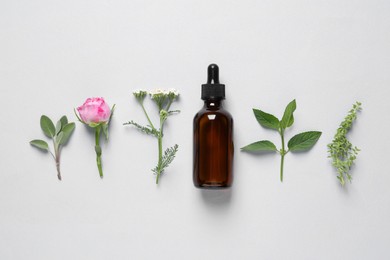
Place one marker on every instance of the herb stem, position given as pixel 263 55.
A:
pixel 282 153
pixel 281 168
pixel 159 157
pixel 147 116
pixel 159 137
pixel 169 104
pixel 58 169
pixel 98 150
pixel 56 157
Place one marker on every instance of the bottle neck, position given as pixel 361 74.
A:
pixel 213 103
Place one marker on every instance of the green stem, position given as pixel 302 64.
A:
pixel 147 116
pixel 159 157
pixel 98 151
pixel 169 104
pixel 282 153
pixel 160 136
pixel 281 168
pixel 58 170
pixel 56 157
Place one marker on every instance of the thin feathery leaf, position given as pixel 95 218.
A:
pixel 147 130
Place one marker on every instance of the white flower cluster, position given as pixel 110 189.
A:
pixel 164 92
pixel 140 94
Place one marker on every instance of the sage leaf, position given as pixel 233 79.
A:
pixel 40 144
pixel 59 137
pixel 47 126
pixel 288 113
pixel 61 123
pixel 66 132
pixel 303 141
pixel 64 120
pixel 260 146
pixel 266 120
pixel 58 127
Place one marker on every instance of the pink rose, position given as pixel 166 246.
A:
pixel 94 110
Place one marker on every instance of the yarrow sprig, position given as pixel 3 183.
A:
pixel 163 99
pixel 60 135
pixel 96 114
pixel 341 150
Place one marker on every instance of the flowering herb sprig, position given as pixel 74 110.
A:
pixel 163 99
pixel 299 142
pixel 342 152
pixel 60 135
pixel 96 114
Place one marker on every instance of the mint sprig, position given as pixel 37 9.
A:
pixel 60 135
pixel 300 142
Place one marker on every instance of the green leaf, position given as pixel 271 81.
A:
pixel 105 130
pixel 66 132
pixel 266 120
pixel 303 141
pixel 112 113
pixel 291 121
pixel 61 123
pixel 48 126
pixel 288 113
pixel 58 127
pixel 64 120
pixel 59 136
pixel 260 146
pixel 145 129
pixel 40 144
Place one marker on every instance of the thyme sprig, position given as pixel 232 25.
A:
pixel 341 150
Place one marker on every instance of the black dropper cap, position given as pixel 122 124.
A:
pixel 213 89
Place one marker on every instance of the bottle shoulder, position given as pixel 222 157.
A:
pixel 205 112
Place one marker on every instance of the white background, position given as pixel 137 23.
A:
pixel 326 54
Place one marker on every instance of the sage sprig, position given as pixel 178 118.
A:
pixel 341 150
pixel 299 142
pixel 163 99
pixel 59 134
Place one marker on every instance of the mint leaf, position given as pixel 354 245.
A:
pixel 66 132
pixel 40 144
pixel 291 121
pixel 288 113
pixel 299 142
pixel 260 146
pixel 266 120
pixel 303 141
pixel 47 126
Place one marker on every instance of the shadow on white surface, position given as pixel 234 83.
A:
pixel 217 198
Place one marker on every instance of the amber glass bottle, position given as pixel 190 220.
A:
pixel 213 137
